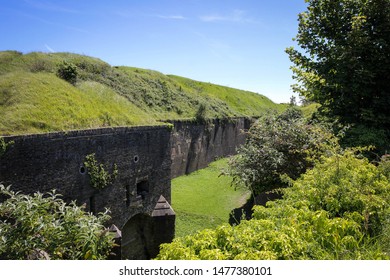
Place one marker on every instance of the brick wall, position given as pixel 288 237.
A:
pixel 44 162
pixel 195 145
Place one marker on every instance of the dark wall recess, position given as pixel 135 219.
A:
pixel 142 188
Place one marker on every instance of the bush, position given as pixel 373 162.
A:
pixel 337 210
pixel 279 145
pixel 40 65
pixel 361 135
pixel 4 146
pixel 68 72
pixel 99 177
pixel 344 185
pixel 384 165
pixel 201 113
pixel 43 226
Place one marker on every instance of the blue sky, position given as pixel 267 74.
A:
pixel 236 43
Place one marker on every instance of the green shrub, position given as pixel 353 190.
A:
pixel 384 165
pixel 68 72
pixel 201 113
pixel 99 177
pixel 279 145
pixel 344 185
pixel 40 65
pixel 361 135
pixel 42 226
pixel 337 210
pixel 4 146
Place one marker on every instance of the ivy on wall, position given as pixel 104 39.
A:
pixel 99 176
pixel 4 146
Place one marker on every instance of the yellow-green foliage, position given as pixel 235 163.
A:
pixel 42 226
pixel 309 110
pixel 337 210
pixel 98 175
pixel 33 99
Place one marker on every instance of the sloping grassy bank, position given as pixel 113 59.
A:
pixel 34 99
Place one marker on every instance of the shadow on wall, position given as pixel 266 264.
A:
pixel 245 212
pixel 143 234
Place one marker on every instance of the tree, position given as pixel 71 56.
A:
pixel 344 62
pixel 42 226
pixel 277 145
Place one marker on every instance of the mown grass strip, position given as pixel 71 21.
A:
pixel 204 199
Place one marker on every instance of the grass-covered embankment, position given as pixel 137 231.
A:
pixel 33 99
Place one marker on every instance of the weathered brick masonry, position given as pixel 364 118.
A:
pixel 195 145
pixel 146 157
pixel 43 162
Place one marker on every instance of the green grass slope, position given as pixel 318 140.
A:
pixel 40 102
pixel 237 102
pixel 33 99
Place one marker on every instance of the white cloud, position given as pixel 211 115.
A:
pixel 235 16
pixel 49 49
pixel 176 17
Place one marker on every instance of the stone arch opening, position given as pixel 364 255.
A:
pixel 143 233
pixel 137 238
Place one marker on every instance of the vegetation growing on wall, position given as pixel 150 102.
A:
pixel 99 176
pixel 4 146
pixel 43 226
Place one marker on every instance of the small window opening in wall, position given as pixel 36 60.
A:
pixel 127 196
pixel 82 170
pixel 92 206
pixel 142 189
pixel 136 159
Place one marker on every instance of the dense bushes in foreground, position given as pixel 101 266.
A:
pixel 337 210
pixel 44 227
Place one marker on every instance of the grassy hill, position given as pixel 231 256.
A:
pixel 33 99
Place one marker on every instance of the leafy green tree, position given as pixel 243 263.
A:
pixel 44 227
pixel 343 60
pixel 278 145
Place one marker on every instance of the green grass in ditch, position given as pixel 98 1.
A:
pixel 204 199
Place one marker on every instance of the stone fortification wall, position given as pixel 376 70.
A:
pixel 195 145
pixel 146 159
pixel 44 162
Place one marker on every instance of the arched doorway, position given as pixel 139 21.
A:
pixel 143 234
pixel 137 238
